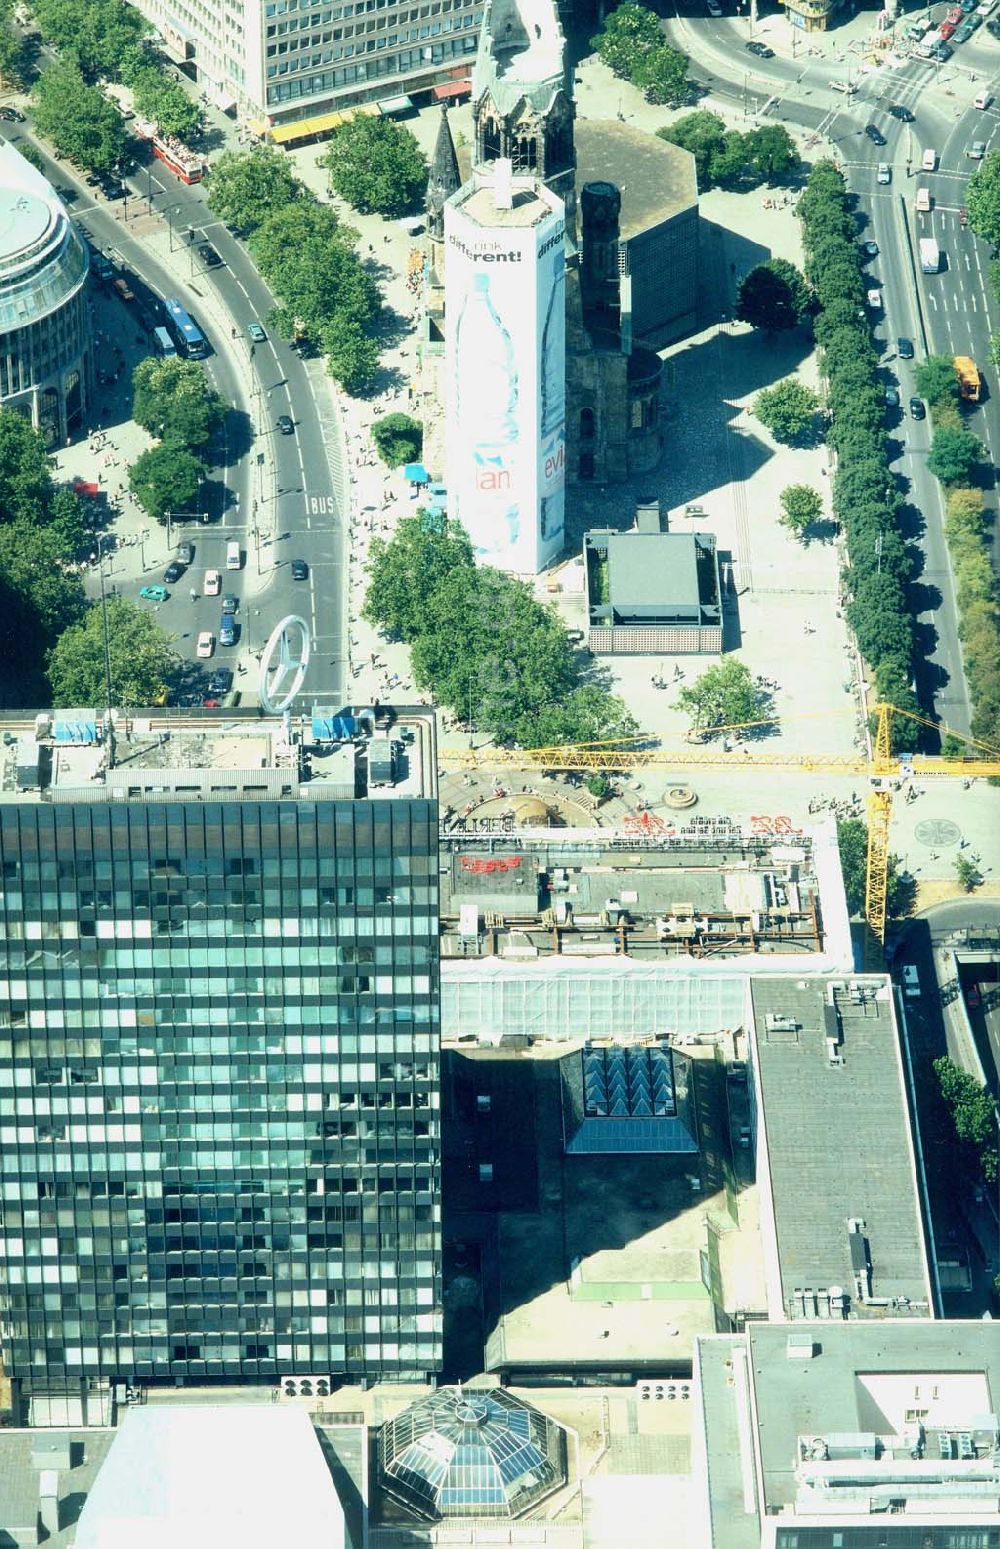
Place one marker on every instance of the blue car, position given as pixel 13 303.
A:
pixel 227 630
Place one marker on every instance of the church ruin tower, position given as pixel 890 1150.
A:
pixel 443 181
pixel 522 99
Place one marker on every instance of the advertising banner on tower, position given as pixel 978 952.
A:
pixel 505 304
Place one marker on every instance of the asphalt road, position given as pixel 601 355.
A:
pixel 294 516
pixel 952 313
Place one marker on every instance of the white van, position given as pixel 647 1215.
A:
pixel 983 100
pixel 923 201
pixel 847 87
pixel 911 981
pixel 928 161
pixel 234 555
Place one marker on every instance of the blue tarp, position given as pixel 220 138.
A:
pixel 416 473
pixel 84 732
pixel 333 728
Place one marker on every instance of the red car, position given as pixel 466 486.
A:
pixel 972 997
pixel 954 16
pixel 946 30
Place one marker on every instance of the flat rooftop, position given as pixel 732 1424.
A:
pixel 840 1420
pixel 835 1141
pixel 73 755
pixel 656 181
pixel 649 571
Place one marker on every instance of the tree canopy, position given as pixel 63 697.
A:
pixel 632 44
pixel 731 158
pixel 936 380
pixel 724 695
pixel 377 166
pixel 482 644
pixel 245 187
pixel 165 103
pixel 800 507
pixel 954 455
pixel 25 471
pixel 982 199
pixel 398 439
pixel 99 36
pixel 79 119
pixel 773 296
pixel 140 652
pixel 852 842
pixel 973 1117
pixel 307 258
pixel 166 478
pixel 788 409
pixel 172 399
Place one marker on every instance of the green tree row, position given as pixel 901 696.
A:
pixel 174 402
pixel 865 499
pixel 973 1118
pixel 481 643
pixel 631 43
pixel 733 158
pixel 307 257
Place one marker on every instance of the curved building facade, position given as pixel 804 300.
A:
pixel 45 346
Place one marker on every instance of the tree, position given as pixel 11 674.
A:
pixel 398 439
pixel 936 380
pixel 968 874
pixel 773 296
pixel 32 565
pixel 245 187
pixel 772 152
pixel 724 695
pixel 598 785
pixel 852 842
pixel 166 478
pixel 25 476
pixel 982 199
pixel 954 455
pixel 586 714
pixel 98 36
pixel 704 135
pixel 174 402
pixel 788 409
pixel 800 506
pixel 631 43
pixel 879 617
pixel 994 350
pixel 407 572
pixel 13 63
pixel 972 1115
pixel 165 103
pixel 377 166
pixel 79 119
pixel 663 75
pixel 67 523
pixel 352 355
pixel 730 164
pixel 141 658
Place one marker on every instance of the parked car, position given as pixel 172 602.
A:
pixel 213 583
pixel 965 32
pixel 870 249
pixel 300 570
pixel 904 348
pixel 173 572
pixel 123 289
pixel 257 333
pixel 185 553
pixel 12 115
pixel 917 409
pixel 942 52
pixel 227 630
pixel 875 134
pixel 954 15
pixel 230 603
pixel 892 397
pixel 206 643
pixel 874 300
pixel 154 593
pixel 285 425
pixel 220 681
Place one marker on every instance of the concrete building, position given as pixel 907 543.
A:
pixel 279 61
pixel 652 591
pixel 505 291
pixel 848 1436
pixel 219 1130
pixel 657 256
pixel 812 15
pixel 45 347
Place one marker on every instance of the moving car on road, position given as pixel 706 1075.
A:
pixel 185 553
pixel 875 134
pixel 870 249
pixel 227 630
pixel 256 333
pixel 208 255
pixel 300 570
pixel 917 409
pixel 154 593
pixel 230 603
pixel 904 348
pixel 206 643
pixel 760 49
pixel 905 115
pixel 173 572
pixel 284 424
pixel 213 583
pixel 12 115
pixel 977 150
pixel 884 173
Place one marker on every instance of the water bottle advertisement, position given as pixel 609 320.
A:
pixel 505 309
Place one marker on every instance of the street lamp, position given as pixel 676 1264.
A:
pixel 143 535
pixel 100 539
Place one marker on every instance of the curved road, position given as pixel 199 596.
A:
pixel 951 313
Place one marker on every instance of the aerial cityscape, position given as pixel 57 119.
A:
pixel 499 762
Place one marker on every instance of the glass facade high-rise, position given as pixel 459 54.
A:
pixel 219 1143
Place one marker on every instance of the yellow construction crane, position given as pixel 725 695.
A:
pixel 884 771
